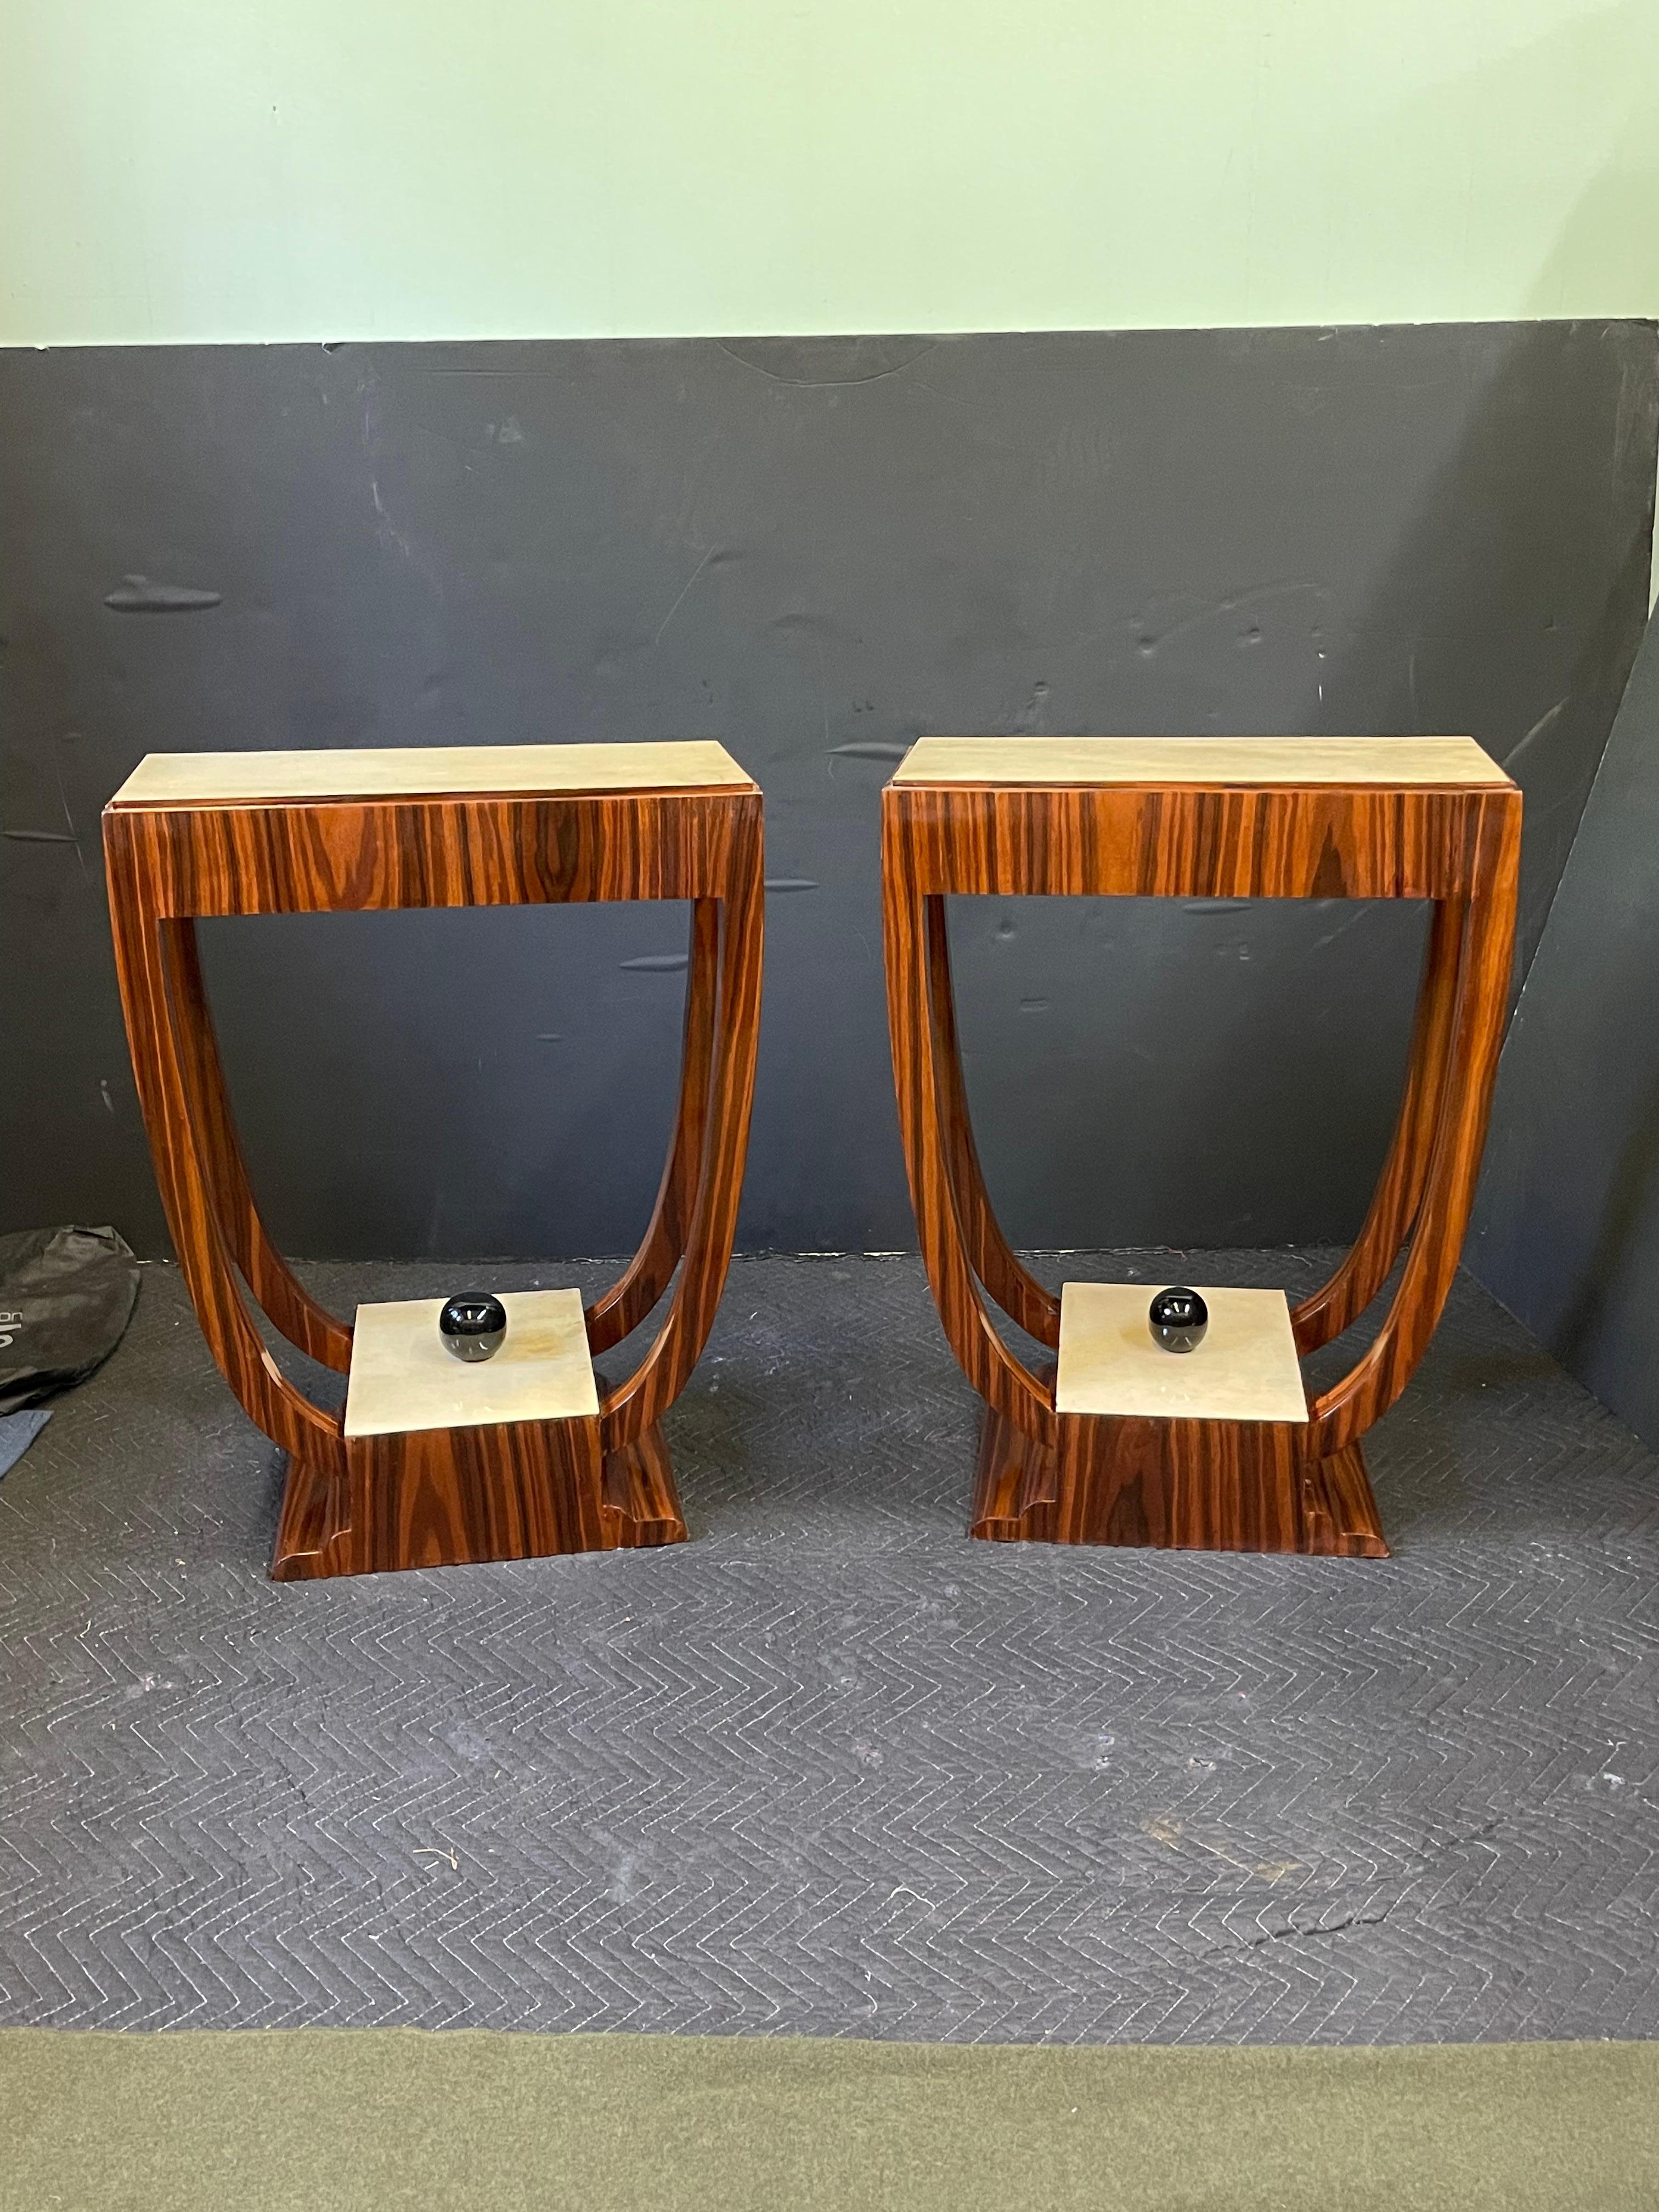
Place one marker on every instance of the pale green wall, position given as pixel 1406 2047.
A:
pixel 177 169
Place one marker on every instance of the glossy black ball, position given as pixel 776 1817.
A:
pixel 1178 1319
pixel 472 1325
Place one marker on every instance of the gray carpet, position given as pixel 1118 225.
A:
pixel 831 1767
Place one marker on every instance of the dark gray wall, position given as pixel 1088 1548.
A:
pixel 1567 1232
pixel 815 550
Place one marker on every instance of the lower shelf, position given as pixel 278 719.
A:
pixel 402 1379
pixel 1176 1484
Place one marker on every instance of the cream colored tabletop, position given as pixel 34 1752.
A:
pixel 427 772
pixel 1403 762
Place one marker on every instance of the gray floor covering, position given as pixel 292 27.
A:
pixel 833 1768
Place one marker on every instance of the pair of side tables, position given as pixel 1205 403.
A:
pixel 1112 1442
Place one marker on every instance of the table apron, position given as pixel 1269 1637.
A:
pixel 346 858
pixel 1141 843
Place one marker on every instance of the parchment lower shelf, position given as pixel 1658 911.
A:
pixel 402 1379
pixel 1245 1369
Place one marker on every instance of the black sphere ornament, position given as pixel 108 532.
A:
pixel 472 1325
pixel 1178 1319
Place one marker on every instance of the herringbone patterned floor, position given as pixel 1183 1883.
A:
pixel 832 1766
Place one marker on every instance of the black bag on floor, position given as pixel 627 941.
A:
pixel 66 1296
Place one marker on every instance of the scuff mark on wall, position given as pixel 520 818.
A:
pixel 817 352
pixel 869 750
pixel 712 555
pixel 1150 639
pixel 139 595
pixel 392 536
pixel 1546 721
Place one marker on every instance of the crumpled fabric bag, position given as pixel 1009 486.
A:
pixel 18 1431
pixel 66 1296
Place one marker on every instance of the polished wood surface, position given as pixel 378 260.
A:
pixel 1186 1486
pixel 295 1313
pixel 356 855
pixel 1129 841
pixel 505 1490
pixel 1219 763
pixel 1094 1477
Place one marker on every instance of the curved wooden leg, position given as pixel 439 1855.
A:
pixel 1004 1381
pixel 170 1066
pixel 630 1299
pixel 1016 1290
pixel 635 1407
pixel 1399 1192
pixel 1349 1407
pixel 292 1309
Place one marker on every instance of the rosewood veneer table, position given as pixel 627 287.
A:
pixel 1221 1448
pixel 433 1461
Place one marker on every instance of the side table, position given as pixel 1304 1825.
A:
pixel 514 1458
pixel 1221 1448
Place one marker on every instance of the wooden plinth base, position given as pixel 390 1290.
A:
pixel 1188 1485
pixel 439 1497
